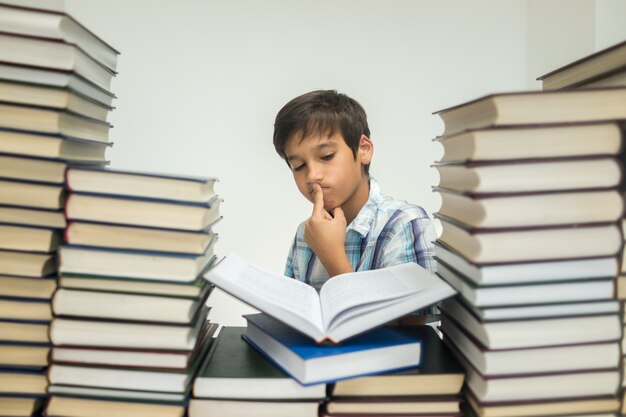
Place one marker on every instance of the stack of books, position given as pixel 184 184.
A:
pixel 130 320
pixel 235 380
pixel 54 102
pixel 605 68
pixel 531 214
pixel 432 389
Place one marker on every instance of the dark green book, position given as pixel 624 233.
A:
pixel 440 373
pixel 234 370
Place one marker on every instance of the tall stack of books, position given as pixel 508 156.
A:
pixel 531 240
pixel 54 101
pixel 431 389
pixel 130 324
pixel 605 68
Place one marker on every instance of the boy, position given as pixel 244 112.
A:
pixel 324 138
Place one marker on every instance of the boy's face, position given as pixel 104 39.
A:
pixel 329 161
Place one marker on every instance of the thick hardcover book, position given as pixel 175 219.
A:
pixel 347 305
pixel 421 405
pixel 492 177
pixel 532 209
pixel 591 289
pixel 533 142
pixel 24 287
pixel 141 185
pixel 31 195
pixel 94 407
pixel 568 358
pixel 53 54
pixel 589 69
pixel 31 169
pixel 20 406
pixel 234 370
pixel 52 219
pixel 440 373
pixel 520 333
pixel 25 309
pixel 53 121
pixel 532 244
pixel 29 239
pixel 27 264
pixel 236 408
pixel 74 332
pixel 379 350
pixel 22 382
pixel 52 146
pixel 27 356
pixel 31 333
pixel 143 265
pixel 519 272
pixel 536 107
pixel 137 238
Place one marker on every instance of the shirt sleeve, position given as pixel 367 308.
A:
pixel 414 242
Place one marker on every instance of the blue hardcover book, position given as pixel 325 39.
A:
pixel 379 350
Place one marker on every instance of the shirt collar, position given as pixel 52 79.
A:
pixel 362 222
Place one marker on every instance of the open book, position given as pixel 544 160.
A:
pixel 348 304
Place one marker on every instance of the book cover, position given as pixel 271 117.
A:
pixel 379 350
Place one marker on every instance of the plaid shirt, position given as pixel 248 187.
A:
pixel 385 232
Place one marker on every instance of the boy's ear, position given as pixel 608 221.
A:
pixel 366 150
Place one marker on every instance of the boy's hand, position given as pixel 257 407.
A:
pixel 326 235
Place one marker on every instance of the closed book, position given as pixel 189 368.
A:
pixel 519 272
pixel 533 142
pixel 31 169
pixel 24 332
pixel 567 358
pixel 53 146
pixel 178 360
pixel 57 78
pixel 27 264
pixel 137 238
pixel 521 333
pixel 156 266
pixel 532 209
pixel 25 309
pixel 53 121
pixel 113 394
pixel 59 26
pixel 530 175
pixel 440 373
pixel 235 408
pixel 91 407
pixel 52 97
pixel 593 67
pixel 23 287
pixel 526 294
pixel 536 107
pixel 598 406
pixel 534 311
pixel 531 244
pixel 74 332
pixel 23 356
pixel 22 382
pixel 234 370
pixel 55 55
pixel 379 350
pixel 52 219
pixel 29 239
pixel 19 406
pixel 422 405
pixel 142 212
pixel 141 185
pixel 31 195
pixel 119 306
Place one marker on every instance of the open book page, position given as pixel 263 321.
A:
pixel 368 288
pixel 279 296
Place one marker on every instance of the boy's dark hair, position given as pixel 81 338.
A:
pixel 323 112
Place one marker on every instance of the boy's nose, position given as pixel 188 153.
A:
pixel 315 174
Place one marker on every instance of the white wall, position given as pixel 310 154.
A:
pixel 200 83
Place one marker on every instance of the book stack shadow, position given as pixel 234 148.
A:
pixel 531 238
pixel 605 68
pixel 54 104
pixel 130 325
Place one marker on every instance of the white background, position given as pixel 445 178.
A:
pixel 200 83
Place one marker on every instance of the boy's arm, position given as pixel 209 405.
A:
pixel 326 236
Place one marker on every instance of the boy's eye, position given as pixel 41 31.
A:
pixel 328 157
pixel 298 168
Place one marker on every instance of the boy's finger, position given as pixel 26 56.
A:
pixel 318 200
pixel 339 214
